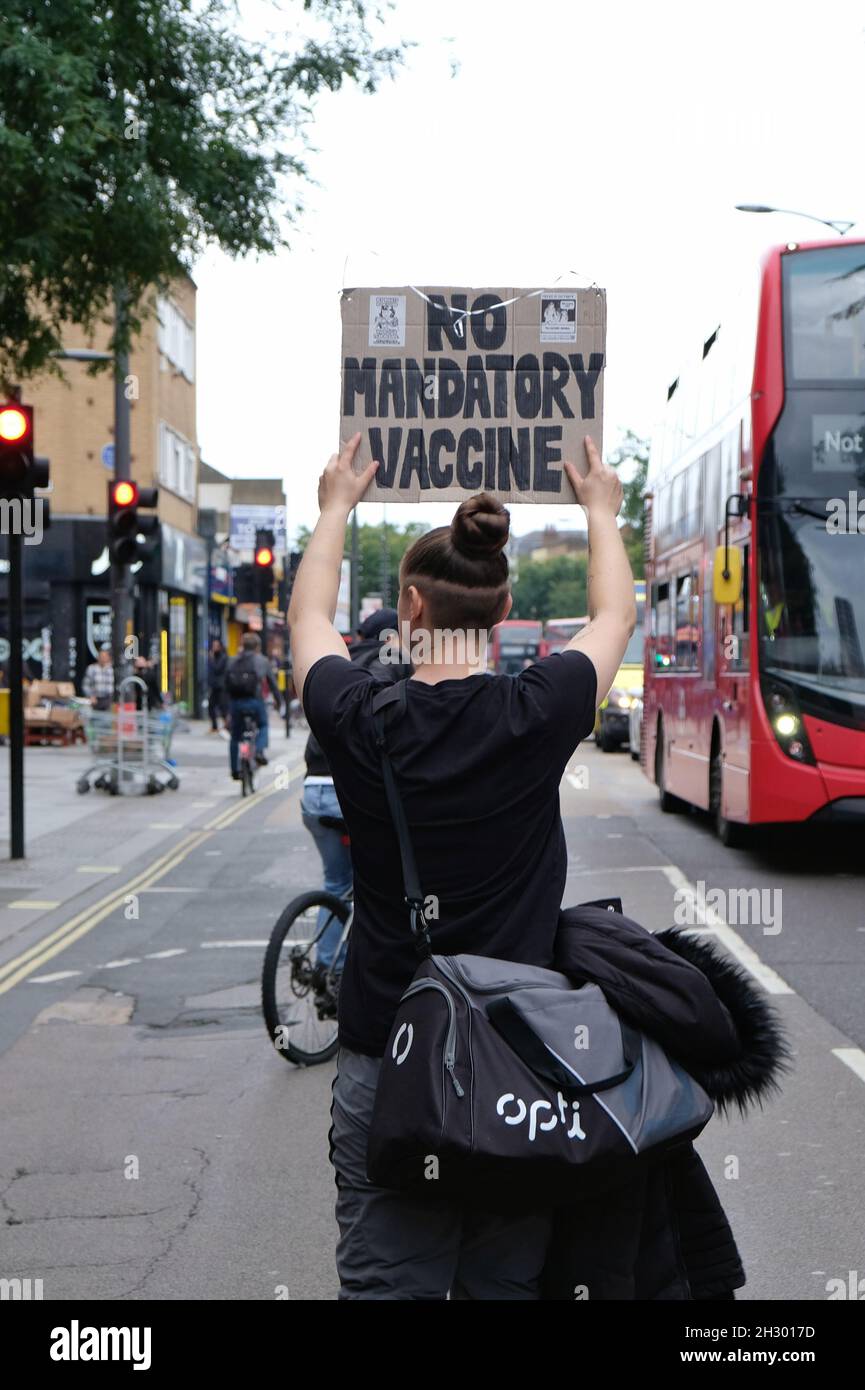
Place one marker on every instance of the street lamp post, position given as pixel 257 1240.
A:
pixel 839 226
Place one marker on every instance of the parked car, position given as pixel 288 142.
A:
pixel 635 726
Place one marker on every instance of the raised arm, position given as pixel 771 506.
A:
pixel 316 584
pixel 612 606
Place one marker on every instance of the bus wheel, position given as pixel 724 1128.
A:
pixel 731 833
pixel 669 804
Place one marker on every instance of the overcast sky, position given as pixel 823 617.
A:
pixel 520 143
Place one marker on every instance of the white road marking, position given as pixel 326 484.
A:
pixel 852 1057
pixel 170 890
pixel 116 964
pixel 98 869
pixel 734 943
pixel 221 945
pixel 49 979
pixel 163 955
pixel 33 903
pixel 212 851
pixel 165 825
pixel 621 869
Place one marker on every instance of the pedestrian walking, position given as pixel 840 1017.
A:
pixel 479 761
pixel 217 695
pixel 98 683
pixel 145 670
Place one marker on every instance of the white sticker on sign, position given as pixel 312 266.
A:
pixel 558 318
pixel 387 320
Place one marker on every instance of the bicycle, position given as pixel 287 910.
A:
pixel 298 994
pixel 246 756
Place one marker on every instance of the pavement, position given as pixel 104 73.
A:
pixel 154 1144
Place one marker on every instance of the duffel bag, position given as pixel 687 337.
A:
pixel 503 1080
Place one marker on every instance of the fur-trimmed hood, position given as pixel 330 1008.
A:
pixel 755 1073
pixel 685 992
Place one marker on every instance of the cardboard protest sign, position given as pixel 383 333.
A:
pixel 458 391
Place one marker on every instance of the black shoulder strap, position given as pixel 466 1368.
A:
pixel 389 705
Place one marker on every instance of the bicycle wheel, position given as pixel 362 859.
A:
pixel 297 995
pixel 247 779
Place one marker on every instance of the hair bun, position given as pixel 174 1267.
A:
pixel 481 526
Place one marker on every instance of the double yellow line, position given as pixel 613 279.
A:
pixel 14 971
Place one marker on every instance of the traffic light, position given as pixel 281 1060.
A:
pixel 264 561
pixel 20 471
pixel 128 532
pixel 245 590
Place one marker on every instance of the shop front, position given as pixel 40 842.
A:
pixel 179 630
pixel 67 606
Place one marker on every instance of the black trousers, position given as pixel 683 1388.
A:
pixel 394 1245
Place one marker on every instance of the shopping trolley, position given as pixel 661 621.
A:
pixel 131 748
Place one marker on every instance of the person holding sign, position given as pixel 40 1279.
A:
pixel 479 759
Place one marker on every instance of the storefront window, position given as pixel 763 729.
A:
pixel 181 652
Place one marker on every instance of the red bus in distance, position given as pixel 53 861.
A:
pixel 514 644
pixel 558 633
pixel 754 690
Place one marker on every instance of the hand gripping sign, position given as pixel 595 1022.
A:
pixel 455 391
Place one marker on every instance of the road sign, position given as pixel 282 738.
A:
pixel 107 456
pixel 246 520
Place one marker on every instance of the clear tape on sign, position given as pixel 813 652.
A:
pixel 505 303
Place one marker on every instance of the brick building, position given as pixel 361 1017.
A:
pixel 66 576
pixel 262 497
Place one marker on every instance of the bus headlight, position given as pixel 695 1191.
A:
pixel 786 721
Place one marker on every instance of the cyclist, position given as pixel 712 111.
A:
pixel 480 760
pixel 320 800
pixel 248 676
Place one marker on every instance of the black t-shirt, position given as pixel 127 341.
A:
pixel 478 764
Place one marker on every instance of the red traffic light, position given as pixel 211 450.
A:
pixel 124 494
pixel 14 424
pixel 264 556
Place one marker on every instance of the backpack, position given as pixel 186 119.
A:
pixel 503 1082
pixel 243 681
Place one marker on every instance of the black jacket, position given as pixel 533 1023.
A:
pixel 217 669
pixel 152 690
pixel 664 1235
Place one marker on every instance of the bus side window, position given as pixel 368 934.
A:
pixel 686 644
pixel 711 495
pixel 661 637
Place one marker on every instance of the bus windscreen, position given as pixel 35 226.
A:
pixel 824 309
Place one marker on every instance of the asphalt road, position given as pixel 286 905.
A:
pixel 155 1146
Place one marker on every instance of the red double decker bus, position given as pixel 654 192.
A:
pixel 558 632
pixel 754 690
pixel 514 644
